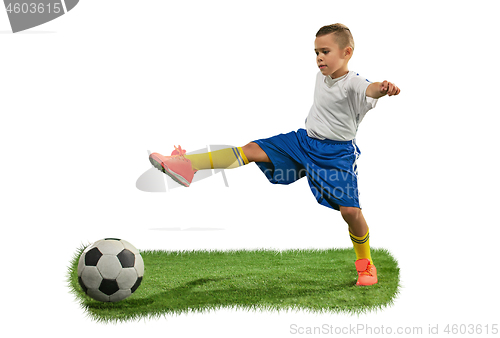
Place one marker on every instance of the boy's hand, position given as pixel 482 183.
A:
pixel 389 88
pixel 379 89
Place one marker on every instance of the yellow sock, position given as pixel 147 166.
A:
pixel 220 159
pixel 362 246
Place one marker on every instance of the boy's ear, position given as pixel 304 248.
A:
pixel 348 52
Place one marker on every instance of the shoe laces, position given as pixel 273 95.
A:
pixel 367 272
pixel 180 153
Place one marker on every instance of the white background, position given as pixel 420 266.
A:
pixel 84 97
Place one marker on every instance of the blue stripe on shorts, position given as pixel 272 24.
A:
pixel 330 166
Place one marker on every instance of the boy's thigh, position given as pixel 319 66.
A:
pixel 332 174
pixel 333 188
pixel 285 158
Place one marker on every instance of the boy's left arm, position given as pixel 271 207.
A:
pixel 378 89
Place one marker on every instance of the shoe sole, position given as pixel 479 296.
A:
pixel 176 177
pixel 358 284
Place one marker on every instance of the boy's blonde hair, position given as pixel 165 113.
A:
pixel 342 34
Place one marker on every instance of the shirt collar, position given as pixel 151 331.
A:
pixel 330 82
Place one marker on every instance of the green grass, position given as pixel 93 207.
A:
pixel 311 280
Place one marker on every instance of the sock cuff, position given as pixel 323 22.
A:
pixel 360 240
pixel 243 157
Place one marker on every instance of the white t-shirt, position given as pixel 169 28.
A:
pixel 339 107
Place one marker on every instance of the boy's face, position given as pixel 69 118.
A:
pixel 330 58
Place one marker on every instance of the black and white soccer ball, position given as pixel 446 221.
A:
pixel 110 270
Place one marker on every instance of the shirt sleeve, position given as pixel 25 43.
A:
pixel 357 94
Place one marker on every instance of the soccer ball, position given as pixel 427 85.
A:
pixel 110 270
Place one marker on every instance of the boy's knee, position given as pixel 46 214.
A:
pixel 254 153
pixel 350 213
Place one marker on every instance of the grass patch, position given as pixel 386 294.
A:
pixel 183 281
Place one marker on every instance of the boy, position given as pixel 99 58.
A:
pixel 325 151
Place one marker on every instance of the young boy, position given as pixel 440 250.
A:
pixel 325 151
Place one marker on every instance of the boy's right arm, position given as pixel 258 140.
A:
pixel 378 89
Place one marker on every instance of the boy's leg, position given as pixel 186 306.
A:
pixel 228 158
pixel 360 237
pixel 354 218
pixel 254 153
pixel 181 167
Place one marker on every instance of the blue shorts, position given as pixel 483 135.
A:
pixel 330 166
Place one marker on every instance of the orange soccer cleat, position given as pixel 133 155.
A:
pixel 177 166
pixel 367 272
